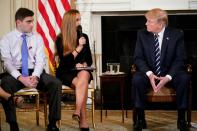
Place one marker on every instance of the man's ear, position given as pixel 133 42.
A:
pixel 18 22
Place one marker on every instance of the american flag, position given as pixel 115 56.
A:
pixel 50 14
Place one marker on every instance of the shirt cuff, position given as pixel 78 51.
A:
pixel 15 74
pixel 148 73
pixel 36 74
pixel 169 77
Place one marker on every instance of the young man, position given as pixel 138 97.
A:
pixel 23 56
pixel 160 59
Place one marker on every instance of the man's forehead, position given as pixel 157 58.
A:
pixel 29 18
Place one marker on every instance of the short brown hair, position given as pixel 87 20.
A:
pixel 22 13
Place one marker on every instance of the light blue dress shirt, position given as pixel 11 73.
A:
pixel 10 48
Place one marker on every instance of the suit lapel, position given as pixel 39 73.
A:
pixel 151 47
pixel 165 41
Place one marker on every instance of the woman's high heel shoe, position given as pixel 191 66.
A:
pixel 76 117
pixel 84 128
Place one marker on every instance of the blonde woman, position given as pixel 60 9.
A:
pixel 74 52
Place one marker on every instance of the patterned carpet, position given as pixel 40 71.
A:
pixel 156 120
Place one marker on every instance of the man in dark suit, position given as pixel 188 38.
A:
pixel 160 59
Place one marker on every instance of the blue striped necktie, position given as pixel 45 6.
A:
pixel 157 55
pixel 24 56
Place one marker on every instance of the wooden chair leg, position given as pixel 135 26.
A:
pixel 59 124
pixel 189 106
pixel 93 109
pixel 45 110
pixel 0 119
pixel 37 110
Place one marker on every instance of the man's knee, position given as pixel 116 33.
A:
pixel 56 81
pixel 8 83
pixel 183 78
pixel 138 78
pixel 55 84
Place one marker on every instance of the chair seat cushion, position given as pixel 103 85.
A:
pixel 64 87
pixel 67 89
pixel 165 94
pixel 27 91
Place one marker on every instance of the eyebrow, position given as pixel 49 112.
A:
pixel 29 20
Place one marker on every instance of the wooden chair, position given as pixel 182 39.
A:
pixel 166 94
pixel 35 107
pixel 29 92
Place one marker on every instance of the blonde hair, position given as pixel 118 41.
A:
pixel 158 14
pixel 68 30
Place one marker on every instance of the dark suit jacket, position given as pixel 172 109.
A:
pixel 173 55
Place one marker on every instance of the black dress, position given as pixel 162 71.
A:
pixel 66 69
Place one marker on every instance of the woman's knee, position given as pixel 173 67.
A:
pixel 83 77
pixel 83 74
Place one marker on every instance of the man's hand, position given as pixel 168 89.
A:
pixel 34 80
pixel 78 65
pixel 153 78
pixel 28 81
pixel 162 82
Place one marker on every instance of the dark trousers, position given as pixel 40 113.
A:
pixel 141 84
pixel 47 83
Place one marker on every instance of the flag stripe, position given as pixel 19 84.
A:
pixel 66 4
pixel 39 29
pixel 46 18
pixel 45 29
pixel 50 14
pixel 60 8
pixel 55 12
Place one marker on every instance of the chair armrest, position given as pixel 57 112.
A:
pixel 133 69
pixel 189 68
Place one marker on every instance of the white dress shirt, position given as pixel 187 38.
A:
pixel 160 39
pixel 10 48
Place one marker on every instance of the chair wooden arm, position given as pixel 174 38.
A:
pixel 133 69
pixel 189 68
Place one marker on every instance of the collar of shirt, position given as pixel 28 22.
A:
pixel 160 37
pixel 19 34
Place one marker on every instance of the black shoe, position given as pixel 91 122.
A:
pixel 138 125
pixel 144 125
pixel 182 125
pixel 84 129
pixel 52 128
pixel 14 126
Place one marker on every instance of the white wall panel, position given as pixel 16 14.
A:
pixel 193 4
pixel 4 17
pixel 164 4
pixel 103 5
